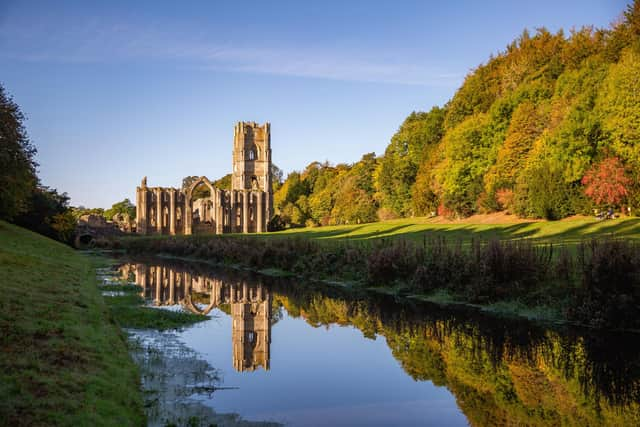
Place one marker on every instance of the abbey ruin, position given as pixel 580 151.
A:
pixel 203 208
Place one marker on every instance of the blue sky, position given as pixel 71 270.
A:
pixel 119 90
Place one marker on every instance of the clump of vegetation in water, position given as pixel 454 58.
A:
pixel 597 282
pixel 174 379
pixel 129 311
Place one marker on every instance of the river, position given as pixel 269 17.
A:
pixel 300 354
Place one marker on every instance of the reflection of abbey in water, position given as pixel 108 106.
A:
pixel 250 306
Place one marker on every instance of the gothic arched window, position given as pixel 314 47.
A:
pixel 253 152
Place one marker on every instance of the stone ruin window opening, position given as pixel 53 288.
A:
pixel 253 153
pixel 165 217
pixel 201 202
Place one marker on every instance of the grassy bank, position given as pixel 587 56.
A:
pixel 63 360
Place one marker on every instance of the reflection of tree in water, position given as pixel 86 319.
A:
pixel 501 372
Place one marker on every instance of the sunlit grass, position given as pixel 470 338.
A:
pixel 63 361
pixel 567 231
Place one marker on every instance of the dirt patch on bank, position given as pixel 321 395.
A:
pixel 492 218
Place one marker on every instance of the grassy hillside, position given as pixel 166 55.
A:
pixel 63 360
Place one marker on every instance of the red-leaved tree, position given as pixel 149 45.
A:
pixel 606 182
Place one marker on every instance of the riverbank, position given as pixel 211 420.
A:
pixel 63 359
pixel 591 282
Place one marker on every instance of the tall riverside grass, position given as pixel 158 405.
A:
pixel 598 283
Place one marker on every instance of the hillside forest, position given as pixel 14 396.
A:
pixel 547 128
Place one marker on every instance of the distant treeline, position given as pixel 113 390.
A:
pixel 546 129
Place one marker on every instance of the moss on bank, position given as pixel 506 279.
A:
pixel 63 360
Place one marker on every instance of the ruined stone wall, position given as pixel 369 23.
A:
pixel 246 208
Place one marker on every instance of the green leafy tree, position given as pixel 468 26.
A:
pixel 396 173
pixel 467 160
pixel 18 178
pixel 48 213
pixel 541 192
pixel 223 183
pixel 200 192
pixel 619 105
pixel 123 207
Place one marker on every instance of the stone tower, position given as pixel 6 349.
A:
pixel 252 160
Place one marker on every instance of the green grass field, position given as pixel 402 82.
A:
pixel 63 359
pixel 567 231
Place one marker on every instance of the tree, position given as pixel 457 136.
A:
pixel 277 176
pixel 606 182
pixel 467 149
pixel 47 214
pixel 200 192
pixel 123 207
pixel 397 169
pixel 18 178
pixel 223 183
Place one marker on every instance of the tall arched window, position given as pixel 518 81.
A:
pixel 253 152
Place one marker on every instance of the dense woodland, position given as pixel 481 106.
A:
pixel 548 128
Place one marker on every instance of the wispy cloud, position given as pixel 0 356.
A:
pixel 96 42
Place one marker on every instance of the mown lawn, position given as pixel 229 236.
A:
pixel 566 231
pixel 63 360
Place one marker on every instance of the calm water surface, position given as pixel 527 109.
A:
pixel 303 356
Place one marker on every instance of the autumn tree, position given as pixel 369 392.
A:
pixel 606 183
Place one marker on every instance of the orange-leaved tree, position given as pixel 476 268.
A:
pixel 606 182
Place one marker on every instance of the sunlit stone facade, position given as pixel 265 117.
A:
pixel 246 208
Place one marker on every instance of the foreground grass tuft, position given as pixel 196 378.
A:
pixel 63 360
pixel 129 312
